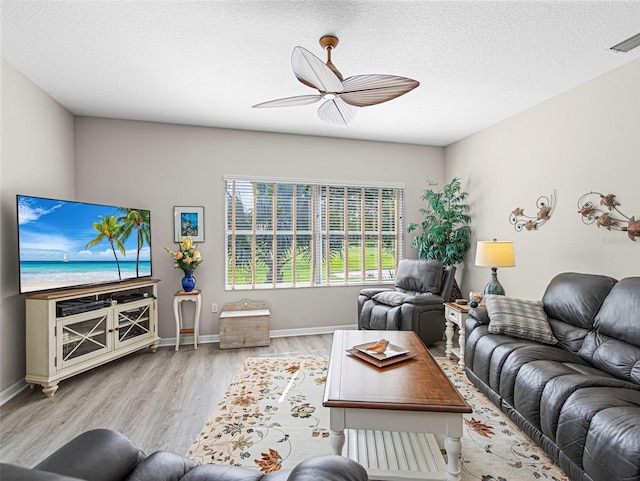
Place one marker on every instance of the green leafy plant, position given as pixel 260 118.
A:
pixel 445 233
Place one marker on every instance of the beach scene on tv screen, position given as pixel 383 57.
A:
pixel 64 243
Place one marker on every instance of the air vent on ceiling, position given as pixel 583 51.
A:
pixel 628 44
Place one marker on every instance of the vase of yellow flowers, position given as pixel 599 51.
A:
pixel 187 258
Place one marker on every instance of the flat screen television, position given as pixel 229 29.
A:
pixel 64 244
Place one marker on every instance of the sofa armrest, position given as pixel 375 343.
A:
pixel 98 455
pixel 10 472
pixel 162 466
pixel 329 467
pixel 426 300
pixel 480 314
pixel 221 472
pixel 372 291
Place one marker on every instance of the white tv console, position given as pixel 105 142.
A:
pixel 70 331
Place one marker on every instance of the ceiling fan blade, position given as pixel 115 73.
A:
pixel 312 71
pixel 289 101
pixel 365 90
pixel 337 112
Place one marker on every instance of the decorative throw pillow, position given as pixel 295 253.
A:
pixel 518 318
pixel 390 298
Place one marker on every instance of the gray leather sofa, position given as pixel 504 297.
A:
pixel 106 455
pixel 580 398
pixel 415 304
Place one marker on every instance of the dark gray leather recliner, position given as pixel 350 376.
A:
pixel 415 304
pixel 106 455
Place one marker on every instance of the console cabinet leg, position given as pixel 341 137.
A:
pixel 49 389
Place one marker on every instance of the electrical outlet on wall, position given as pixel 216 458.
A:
pixel 214 307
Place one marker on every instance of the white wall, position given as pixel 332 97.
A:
pixel 158 166
pixel 36 158
pixel 587 139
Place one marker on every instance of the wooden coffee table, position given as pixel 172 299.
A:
pixel 391 414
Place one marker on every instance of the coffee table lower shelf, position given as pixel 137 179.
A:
pixel 396 456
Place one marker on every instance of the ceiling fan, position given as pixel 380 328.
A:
pixel 342 96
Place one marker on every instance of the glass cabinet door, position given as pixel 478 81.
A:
pixel 133 323
pixel 82 337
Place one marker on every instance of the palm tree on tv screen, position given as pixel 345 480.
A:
pixel 109 229
pixel 140 221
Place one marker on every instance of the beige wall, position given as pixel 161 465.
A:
pixel 587 139
pixel 158 166
pixel 36 158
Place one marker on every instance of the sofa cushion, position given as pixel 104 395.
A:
pixel 418 276
pixel 162 465
pixel 613 356
pixel 570 338
pixel 619 316
pixel 575 298
pixel 10 472
pixel 379 317
pixel 614 344
pixel 519 318
pixel 98 455
pixel 390 298
pixel 612 449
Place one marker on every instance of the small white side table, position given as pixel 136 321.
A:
pixel 455 314
pixel 181 296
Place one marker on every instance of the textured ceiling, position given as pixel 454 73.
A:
pixel 207 62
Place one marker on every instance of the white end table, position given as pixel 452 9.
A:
pixel 179 297
pixel 455 314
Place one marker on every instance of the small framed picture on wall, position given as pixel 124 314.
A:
pixel 188 222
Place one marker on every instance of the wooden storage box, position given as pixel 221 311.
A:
pixel 244 324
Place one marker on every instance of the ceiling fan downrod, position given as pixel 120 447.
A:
pixel 329 42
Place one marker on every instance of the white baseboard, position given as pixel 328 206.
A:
pixel 12 391
pixel 16 388
pixel 305 331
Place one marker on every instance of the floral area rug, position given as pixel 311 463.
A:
pixel 271 417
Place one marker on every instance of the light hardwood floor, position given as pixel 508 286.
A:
pixel 160 400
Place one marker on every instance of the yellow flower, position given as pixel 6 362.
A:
pixel 187 257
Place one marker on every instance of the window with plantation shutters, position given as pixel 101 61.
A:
pixel 302 233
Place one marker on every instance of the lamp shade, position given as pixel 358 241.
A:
pixel 495 254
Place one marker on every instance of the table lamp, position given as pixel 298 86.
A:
pixel 495 254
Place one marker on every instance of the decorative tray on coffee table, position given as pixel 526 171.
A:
pixel 392 354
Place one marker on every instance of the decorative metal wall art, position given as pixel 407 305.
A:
pixel 521 221
pixel 606 214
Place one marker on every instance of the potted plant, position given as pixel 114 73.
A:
pixel 445 232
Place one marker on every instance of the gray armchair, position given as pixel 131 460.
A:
pixel 416 304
